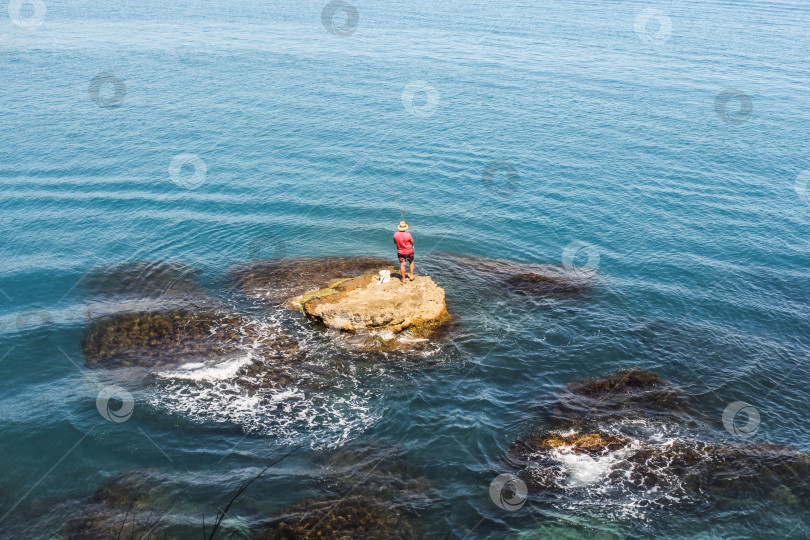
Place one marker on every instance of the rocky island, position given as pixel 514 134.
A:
pixel 348 294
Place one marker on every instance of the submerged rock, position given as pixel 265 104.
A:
pixel 280 280
pixel 152 283
pixel 170 338
pixel 339 518
pixel 536 284
pixel 617 432
pixel 370 490
pixel 631 382
pixel 524 278
pixel 124 506
pixel 621 396
pixel 698 467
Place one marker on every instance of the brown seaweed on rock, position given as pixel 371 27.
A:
pixel 599 419
pixel 698 467
pixel 370 490
pixel 339 518
pixel 170 338
pixel 632 393
pixel 536 284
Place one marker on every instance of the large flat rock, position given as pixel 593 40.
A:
pixel 364 304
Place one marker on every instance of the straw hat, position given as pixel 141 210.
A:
pixel 402 226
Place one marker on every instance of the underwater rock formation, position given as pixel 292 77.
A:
pixel 370 491
pixel 159 339
pixel 621 396
pixel 279 280
pixel 597 429
pixel 124 506
pixel 524 278
pixel 537 284
pixel 143 279
pixel 339 518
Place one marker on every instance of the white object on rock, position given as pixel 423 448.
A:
pixel 385 277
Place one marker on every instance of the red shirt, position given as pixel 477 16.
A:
pixel 404 242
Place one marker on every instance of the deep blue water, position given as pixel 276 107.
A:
pixel 613 138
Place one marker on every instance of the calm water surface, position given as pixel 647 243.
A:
pixel 611 138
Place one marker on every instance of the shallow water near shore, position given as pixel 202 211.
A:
pixel 688 231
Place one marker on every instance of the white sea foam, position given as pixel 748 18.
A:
pixel 207 371
pixel 287 414
pixel 584 469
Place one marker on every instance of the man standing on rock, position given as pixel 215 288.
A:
pixel 404 242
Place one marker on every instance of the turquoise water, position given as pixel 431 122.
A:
pixel 695 221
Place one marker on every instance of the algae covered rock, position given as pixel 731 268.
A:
pixel 167 338
pixel 339 518
pixel 635 433
pixel 144 279
pixel 370 490
pixel 544 284
pixel 628 394
pixel 579 443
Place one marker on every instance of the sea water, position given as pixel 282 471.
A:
pixel 661 148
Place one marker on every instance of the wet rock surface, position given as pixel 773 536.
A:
pixel 344 293
pixel 580 443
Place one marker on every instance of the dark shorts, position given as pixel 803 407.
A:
pixel 405 257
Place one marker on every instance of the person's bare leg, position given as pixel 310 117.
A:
pixel 402 271
pixel 412 264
